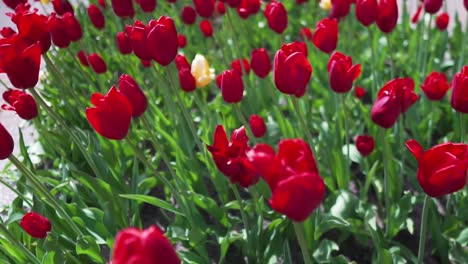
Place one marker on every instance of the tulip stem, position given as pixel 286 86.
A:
pixel 386 160
pixel 423 231
pixel 14 241
pixel 463 48
pixel 392 72
pixel 244 122
pixel 243 216
pixel 348 159
pixel 373 64
pixel 300 234
pixel 43 191
pixel 19 194
pixel 302 122
pixel 462 127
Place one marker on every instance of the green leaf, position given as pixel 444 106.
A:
pixel 154 201
pixel 329 222
pixel 324 250
pixel 87 246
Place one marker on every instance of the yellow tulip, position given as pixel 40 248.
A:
pixel 45 1
pixel 325 5
pixel 201 71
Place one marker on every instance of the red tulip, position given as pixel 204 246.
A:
pixel 435 86
pixel 326 35
pixel 186 80
pixel 292 71
pixel 148 246
pixel 97 63
pixel 340 8
pixel 277 16
pixel 138 38
pixel 147 6
pixel 136 97
pixel 366 11
pixel 7 32
pixel 96 16
pixel 162 40
pixel 230 158
pixel 123 8
pixel 359 92
pixel 221 8
pixel 260 62
pixel 6 143
pixel 124 43
pixel 73 26
pixel 459 99
pixel 233 3
pixel 205 8
pixel 306 34
pixel 206 28
pixel 387 15
pixel 58 31
pixel 32 28
pixel 62 6
pixel 21 63
pixel 21 103
pixel 82 57
pixel 415 17
pixel 35 225
pixel 342 72
pixel 441 169
pixel 188 15
pixel 257 125
pixel 297 189
pixel 14 3
pixel 248 7
pixel 102 3
pixel 432 6
pixel 182 62
pixel 442 21
pixel 465 3
pixel 241 69
pixel 395 97
pixel 292 47
pixel 111 114
pixel 181 41
pixel 232 87
pixel 365 144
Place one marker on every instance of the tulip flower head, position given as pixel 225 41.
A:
pixel 36 225
pixel 441 169
pixel 21 103
pixel 260 62
pixel 325 36
pixel 365 144
pixel 277 16
pixel 459 98
pixel 257 124
pixel 342 72
pixel 442 21
pixel 6 143
pixel 201 71
pixel 435 86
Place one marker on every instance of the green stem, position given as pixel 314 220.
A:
pixel 245 220
pixel 423 231
pixel 374 69
pixel 300 234
pixel 386 160
pixel 463 47
pixel 244 122
pixel 303 123
pixel 14 241
pixel 462 127
pixel 345 121
pixel 392 61
pixel 13 189
pixel 44 192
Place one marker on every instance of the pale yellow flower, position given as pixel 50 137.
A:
pixel 325 5
pixel 45 1
pixel 201 71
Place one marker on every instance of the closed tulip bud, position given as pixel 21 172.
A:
pixel 97 63
pixel 102 3
pixel 186 80
pixel 292 71
pixel 162 40
pixel 206 28
pixel 366 11
pixel 387 15
pixel 133 245
pixel 181 62
pixel 435 86
pixel 124 43
pixel 342 72
pixel 35 225
pixel 73 25
pixel 6 143
pixel 188 15
pixel 82 57
pixel 432 6
pixel 442 21
pixel 340 8
pixel 257 125
pixel 201 70
pixel 136 97
pixel 241 68
pixel 442 168
pixel 205 8
pixel 277 17
pixel 58 31
pixel 306 34
pixel 62 6
pixel 21 103
pixel 260 62
pixel 181 41
pixel 326 35
pixel 248 7
pixel 21 63
pixel 365 144
pixel 459 99
pixel 232 86
pixel 123 8
pixel 96 16
pixel 147 6
pixel 359 92
pixel 221 8
pixel 395 97
pixel 111 114
pixel 138 38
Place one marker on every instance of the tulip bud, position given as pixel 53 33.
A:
pixel 206 28
pixel 277 17
pixel 188 15
pixel 260 62
pixel 124 43
pixel 442 21
pixel 96 16
pixel 162 40
pixel 257 125
pixel 136 97
pixel 97 63
pixel 21 103
pixel 325 36
pixel 459 99
pixel 6 143
pixel 365 144
pixel 123 8
pixel 232 86
pixel 366 11
pixel 35 225
pixel 201 71
pixel 147 6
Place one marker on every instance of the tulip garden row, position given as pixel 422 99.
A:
pixel 237 131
